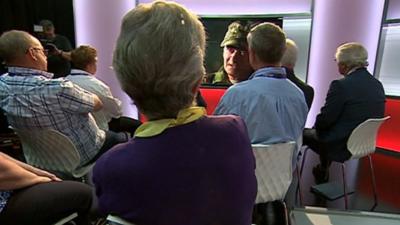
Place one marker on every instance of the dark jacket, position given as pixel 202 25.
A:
pixel 350 101
pixel 307 90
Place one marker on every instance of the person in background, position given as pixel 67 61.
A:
pixel 288 61
pixel 236 66
pixel 32 100
pixel 58 47
pixel 84 61
pixel 29 195
pixel 167 174
pixel 356 97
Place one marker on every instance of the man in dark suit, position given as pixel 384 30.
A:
pixel 288 61
pixel 350 101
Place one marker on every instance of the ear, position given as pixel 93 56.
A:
pixel 197 87
pixel 32 54
pixel 252 57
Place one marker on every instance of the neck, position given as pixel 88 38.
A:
pixel 264 65
pixel 24 65
pixel 353 69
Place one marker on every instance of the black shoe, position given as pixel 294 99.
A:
pixel 321 175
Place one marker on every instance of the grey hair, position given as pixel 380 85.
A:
pixel 159 57
pixel 289 58
pixel 268 42
pixel 14 44
pixel 352 54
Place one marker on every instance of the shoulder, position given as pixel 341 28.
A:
pixel 113 159
pixel 224 124
pixel 60 37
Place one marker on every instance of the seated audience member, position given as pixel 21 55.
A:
pixel 34 101
pixel 350 101
pixel 288 61
pixel 273 108
pixel 236 66
pixel 59 47
pixel 32 196
pixel 84 61
pixel 168 174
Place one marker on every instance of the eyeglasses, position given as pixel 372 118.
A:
pixel 45 51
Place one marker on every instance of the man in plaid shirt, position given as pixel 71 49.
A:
pixel 33 100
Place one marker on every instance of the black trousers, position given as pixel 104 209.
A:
pixel 47 203
pixel 124 124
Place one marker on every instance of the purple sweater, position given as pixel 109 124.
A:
pixel 201 173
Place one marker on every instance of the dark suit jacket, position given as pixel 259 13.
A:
pixel 307 90
pixel 350 101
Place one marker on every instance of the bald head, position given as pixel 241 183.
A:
pixel 19 48
pixel 289 59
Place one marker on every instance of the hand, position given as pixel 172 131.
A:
pixel 39 180
pixel 45 174
pixel 52 48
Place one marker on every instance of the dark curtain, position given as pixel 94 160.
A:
pixel 23 14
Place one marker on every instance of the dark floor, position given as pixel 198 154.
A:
pixel 387 172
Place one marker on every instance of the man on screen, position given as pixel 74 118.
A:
pixel 236 66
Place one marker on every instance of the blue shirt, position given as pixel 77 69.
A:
pixel 32 100
pixel 273 108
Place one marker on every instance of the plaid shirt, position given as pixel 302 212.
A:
pixel 4 196
pixel 32 100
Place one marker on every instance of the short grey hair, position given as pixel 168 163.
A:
pixel 159 57
pixel 352 54
pixel 289 58
pixel 14 44
pixel 267 41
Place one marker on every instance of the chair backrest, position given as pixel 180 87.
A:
pixel 273 170
pixel 49 149
pixel 118 220
pixel 362 140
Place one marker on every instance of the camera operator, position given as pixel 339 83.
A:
pixel 58 47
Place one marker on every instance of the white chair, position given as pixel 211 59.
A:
pixel 273 171
pixel 118 220
pixel 362 142
pixel 66 219
pixel 51 150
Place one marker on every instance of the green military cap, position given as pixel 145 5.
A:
pixel 236 36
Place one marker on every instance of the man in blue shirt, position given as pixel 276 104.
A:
pixel 33 100
pixel 273 108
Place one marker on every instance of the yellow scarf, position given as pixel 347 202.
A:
pixel 155 127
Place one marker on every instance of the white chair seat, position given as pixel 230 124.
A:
pixel 51 150
pixel 361 143
pixel 273 170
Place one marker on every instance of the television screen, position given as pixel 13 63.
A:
pixel 216 28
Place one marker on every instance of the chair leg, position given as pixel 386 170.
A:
pixel 344 187
pixel 286 212
pixel 303 161
pixel 299 174
pixel 373 183
pixel 298 189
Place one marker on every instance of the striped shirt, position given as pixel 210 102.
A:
pixel 32 100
